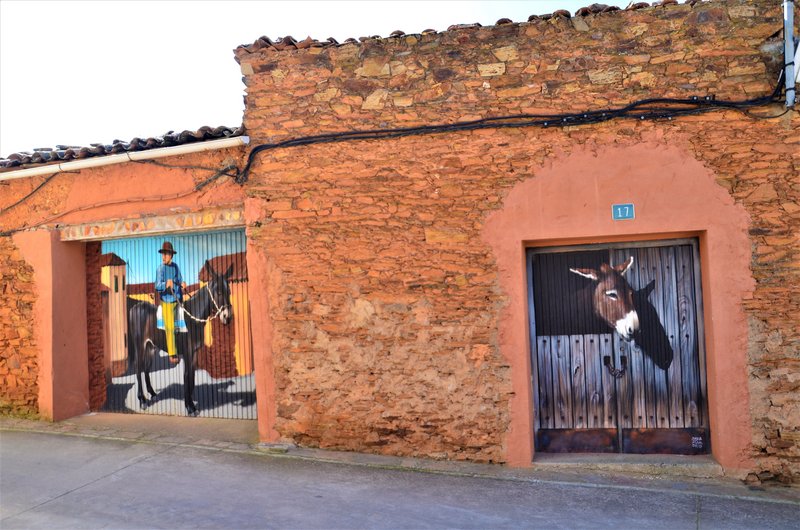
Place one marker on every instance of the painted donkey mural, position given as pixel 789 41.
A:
pixel 625 310
pixel 611 297
pixel 651 337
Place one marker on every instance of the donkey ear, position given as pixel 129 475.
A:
pixel 228 272
pixel 586 273
pixel 622 268
pixel 207 266
pixel 647 289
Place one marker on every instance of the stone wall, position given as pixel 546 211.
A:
pixel 384 299
pixel 19 367
pixel 94 320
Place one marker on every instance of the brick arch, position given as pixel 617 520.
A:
pixel 570 201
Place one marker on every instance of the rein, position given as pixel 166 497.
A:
pixel 216 306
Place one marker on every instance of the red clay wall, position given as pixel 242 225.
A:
pixel 386 303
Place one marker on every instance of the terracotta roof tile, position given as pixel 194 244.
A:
pixel 111 260
pixel 594 9
pixel 288 43
pixel 64 153
pixel 220 264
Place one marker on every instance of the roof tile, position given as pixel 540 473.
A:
pixel 288 43
pixel 64 153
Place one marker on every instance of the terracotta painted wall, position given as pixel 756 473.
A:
pixel 59 322
pixel 391 306
pixel 569 202
pixel 136 191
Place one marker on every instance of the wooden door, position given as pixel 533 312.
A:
pixel 617 348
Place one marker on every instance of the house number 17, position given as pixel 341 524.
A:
pixel 620 212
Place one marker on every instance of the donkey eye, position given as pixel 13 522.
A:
pixel 612 295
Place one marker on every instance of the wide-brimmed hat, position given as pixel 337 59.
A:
pixel 166 248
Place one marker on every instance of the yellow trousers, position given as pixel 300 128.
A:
pixel 168 315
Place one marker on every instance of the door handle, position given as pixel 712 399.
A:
pixel 616 372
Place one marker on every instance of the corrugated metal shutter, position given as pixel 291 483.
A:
pixel 599 386
pixel 214 268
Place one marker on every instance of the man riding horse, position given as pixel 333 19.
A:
pixel 170 287
pixel 209 302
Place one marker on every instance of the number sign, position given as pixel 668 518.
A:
pixel 621 212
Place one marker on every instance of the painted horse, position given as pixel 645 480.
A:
pixel 209 302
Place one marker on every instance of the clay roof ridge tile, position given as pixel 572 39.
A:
pixel 289 42
pixel 595 9
pixel 305 43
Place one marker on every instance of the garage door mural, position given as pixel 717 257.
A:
pixel 617 347
pixel 176 325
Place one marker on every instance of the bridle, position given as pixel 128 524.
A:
pixel 216 306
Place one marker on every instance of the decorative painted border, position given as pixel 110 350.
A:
pixel 190 221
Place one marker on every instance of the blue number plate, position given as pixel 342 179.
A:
pixel 620 212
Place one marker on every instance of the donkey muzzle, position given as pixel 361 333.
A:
pixel 628 325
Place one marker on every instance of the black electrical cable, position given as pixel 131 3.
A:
pixel 228 171
pixel 771 116
pixel 641 110
pixel 30 194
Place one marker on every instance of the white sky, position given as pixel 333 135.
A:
pixel 75 73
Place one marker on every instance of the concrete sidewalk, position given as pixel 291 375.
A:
pixel 50 480
pixel 612 478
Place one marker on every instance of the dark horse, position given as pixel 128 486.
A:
pixel 210 302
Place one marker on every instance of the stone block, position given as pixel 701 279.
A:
pixel 376 100
pixel 491 69
pixel 506 53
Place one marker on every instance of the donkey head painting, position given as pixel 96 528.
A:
pixel 611 297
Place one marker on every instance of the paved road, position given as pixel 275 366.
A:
pixel 57 481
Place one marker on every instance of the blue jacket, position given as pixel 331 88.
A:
pixel 169 272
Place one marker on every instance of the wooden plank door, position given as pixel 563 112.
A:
pixel 597 391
